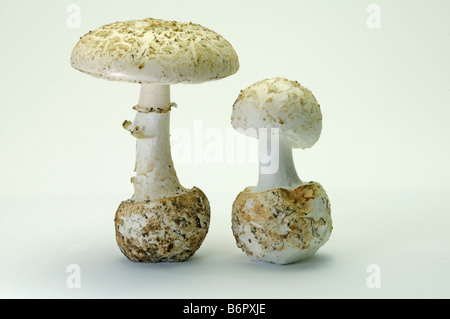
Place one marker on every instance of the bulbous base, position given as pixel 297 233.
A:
pixel 163 230
pixel 282 226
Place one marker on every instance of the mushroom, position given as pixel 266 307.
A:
pixel 282 219
pixel 162 221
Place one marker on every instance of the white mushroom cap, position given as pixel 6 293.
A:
pixel 155 51
pixel 279 103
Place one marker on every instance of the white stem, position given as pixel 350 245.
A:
pixel 276 165
pixel 155 175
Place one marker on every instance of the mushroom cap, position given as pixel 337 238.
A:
pixel 279 103
pixel 155 51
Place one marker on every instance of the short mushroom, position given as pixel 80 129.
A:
pixel 162 221
pixel 282 219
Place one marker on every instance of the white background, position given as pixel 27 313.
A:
pixel 383 156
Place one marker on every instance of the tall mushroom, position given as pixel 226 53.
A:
pixel 282 219
pixel 162 221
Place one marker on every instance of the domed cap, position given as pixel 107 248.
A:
pixel 279 103
pixel 155 51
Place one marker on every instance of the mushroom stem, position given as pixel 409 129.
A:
pixel 155 175
pixel 276 165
